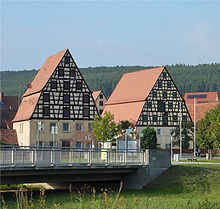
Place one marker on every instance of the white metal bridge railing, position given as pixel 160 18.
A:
pixel 59 156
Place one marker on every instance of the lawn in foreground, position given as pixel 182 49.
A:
pixel 183 186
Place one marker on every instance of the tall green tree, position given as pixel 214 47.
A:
pixel 104 128
pixel 149 138
pixel 208 132
pixel 186 133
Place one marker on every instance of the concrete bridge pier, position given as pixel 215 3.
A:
pixel 157 162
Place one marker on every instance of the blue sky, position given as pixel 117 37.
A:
pixel 109 33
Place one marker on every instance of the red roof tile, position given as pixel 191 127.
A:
pixel 27 107
pixel 134 86
pixel 8 136
pixel 201 109
pixel 211 97
pixel 45 73
pixel 95 94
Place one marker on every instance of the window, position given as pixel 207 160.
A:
pixel 175 118
pixel 67 60
pixel 66 98
pixel 53 84
pixel 159 132
pixel 79 127
pixel 164 95
pixel 174 94
pixel 66 85
pixel 86 98
pixel 66 127
pixel 89 127
pixel 78 144
pixel 21 128
pixel 170 105
pixel 184 118
pixel 66 112
pixel 46 97
pixel 40 126
pixel 46 111
pixel 171 131
pixel 161 106
pixel 41 144
pixel 164 75
pixel 149 105
pixel 53 128
pixel 72 72
pixel 168 84
pixel 100 103
pixel 65 143
pixel 160 85
pixel 86 112
pixel 101 96
pixel 53 143
pixel 145 118
pixel 154 118
pixel 79 85
pixel 61 72
pixel 100 112
pixel 154 94
pixel 165 119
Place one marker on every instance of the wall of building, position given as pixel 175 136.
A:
pixel 23 132
pixel 97 102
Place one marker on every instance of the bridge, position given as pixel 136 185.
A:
pixel 64 165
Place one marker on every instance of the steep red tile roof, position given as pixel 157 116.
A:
pixel 45 73
pixel 27 107
pixel 134 86
pixel 201 109
pixel 8 136
pixel 95 94
pixel 11 102
pixel 211 97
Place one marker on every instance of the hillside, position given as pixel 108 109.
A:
pixel 205 77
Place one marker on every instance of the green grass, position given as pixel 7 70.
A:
pixel 183 186
pixel 203 161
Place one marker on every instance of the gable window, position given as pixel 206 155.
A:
pixel 67 60
pixel 86 112
pixel 46 97
pixel 72 72
pixel 61 72
pixel 79 85
pixel 184 118
pixel 85 98
pixel 175 118
pixel 79 127
pixel 66 112
pixel 46 111
pixel 164 95
pixel 164 75
pixel 168 84
pixel 66 85
pixel 53 128
pixel 174 94
pixel 161 106
pixel 160 84
pixel 100 103
pixel 145 118
pixel 154 118
pixel 101 96
pixel 149 105
pixel 53 84
pixel 66 127
pixel 154 94
pixel 170 105
pixel 66 98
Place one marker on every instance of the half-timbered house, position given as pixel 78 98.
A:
pixel 100 100
pixel 149 98
pixel 57 104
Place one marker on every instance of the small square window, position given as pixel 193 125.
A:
pixel 79 127
pixel 164 95
pixel 100 103
pixel 86 112
pixel 61 72
pixel 66 127
pixel 175 118
pixel 66 112
pixel 86 98
pixel 154 118
pixel 170 105
pixel 168 84
pixel 46 97
pixel 46 111
pixel 53 84
pixel 100 112
pixel 101 96
pixel 154 94
pixel 160 85
pixel 72 72
pixel 174 94
pixel 184 118
pixel 149 105
pixel 67 60
pixel 144 118
pixel 66 85
pixel 66 98
pixel 79 85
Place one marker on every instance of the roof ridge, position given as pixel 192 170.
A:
pixel 133 101
pixel 139 71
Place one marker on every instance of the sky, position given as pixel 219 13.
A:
pixel 110 33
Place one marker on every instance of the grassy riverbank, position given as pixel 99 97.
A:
pixel 183 186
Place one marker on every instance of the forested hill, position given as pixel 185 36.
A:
pixel 199 78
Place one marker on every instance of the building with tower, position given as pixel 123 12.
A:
pixel 57 104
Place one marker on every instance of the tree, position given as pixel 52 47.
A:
pixel 104 128
pixel 208 133
pixel 187 135
pixel 149 138
pixel 125 124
